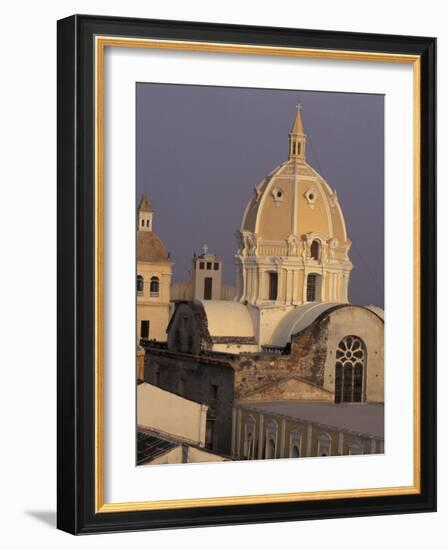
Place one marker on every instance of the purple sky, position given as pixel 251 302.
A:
pixel 202 149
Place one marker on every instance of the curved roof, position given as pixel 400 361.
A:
pixel 150 248
pixel 298 319
pixel 303 316
pixel 227 318
pixel 298 182
pixel 377 310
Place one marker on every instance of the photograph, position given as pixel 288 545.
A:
pixel 259 274
pixel 239 207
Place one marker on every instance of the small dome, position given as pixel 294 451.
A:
pixel 150 248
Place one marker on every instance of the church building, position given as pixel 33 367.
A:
pixel 291 329
pixel 154 271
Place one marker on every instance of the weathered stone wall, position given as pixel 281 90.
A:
pixel 306 360
pixel 291 388
pixel 201 379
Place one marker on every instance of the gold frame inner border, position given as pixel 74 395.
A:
pixel 101 43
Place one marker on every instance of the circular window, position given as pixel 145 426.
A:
pixel 278 194
pixel 311 196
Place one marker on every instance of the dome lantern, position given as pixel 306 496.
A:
pixel 293 246
pixel 297 138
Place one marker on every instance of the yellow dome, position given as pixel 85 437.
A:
pixel 294 200
pixel 292 244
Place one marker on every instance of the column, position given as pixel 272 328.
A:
pixel 295 286
pixel 248 283
pixel 282 454
pixel 253 283
pixel 233 432
pixel 244 282
pixel 309 436
pixel 238 281
pixel 287 286
pixel 260 437
pixel 238 436
pixel 341 443
pixel 280 284
pixel 260 295
pixel 323 294
pixel 305 276
pixel 338 287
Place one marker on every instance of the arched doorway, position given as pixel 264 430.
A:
pixel 350 370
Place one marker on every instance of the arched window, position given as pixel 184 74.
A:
pixel 154 287
pixel 249 438
pixel 313 287
pixel 295 451
pixel 323 445
pixel 271 440
pixel 355 449
pixel 295 440
pixel 350 370
pixel 315 250
pixel 139 284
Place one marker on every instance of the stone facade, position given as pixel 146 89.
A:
pixel 311 356
pixel 259 433
pixel 206 380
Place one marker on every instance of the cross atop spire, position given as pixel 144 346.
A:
pixel 297 127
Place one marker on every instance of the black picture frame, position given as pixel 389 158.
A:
pixel 76 511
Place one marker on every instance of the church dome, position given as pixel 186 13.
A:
pixel 294 199
pixel 292 244
pixel 150 248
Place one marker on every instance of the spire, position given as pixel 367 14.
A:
pixel 145 204
pixel 144 214
pixel 297 137
pixel 297 127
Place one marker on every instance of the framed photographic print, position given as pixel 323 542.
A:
pixel 246 274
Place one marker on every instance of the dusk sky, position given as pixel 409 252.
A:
pixel 201 150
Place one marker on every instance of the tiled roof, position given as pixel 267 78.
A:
pixel 151 445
